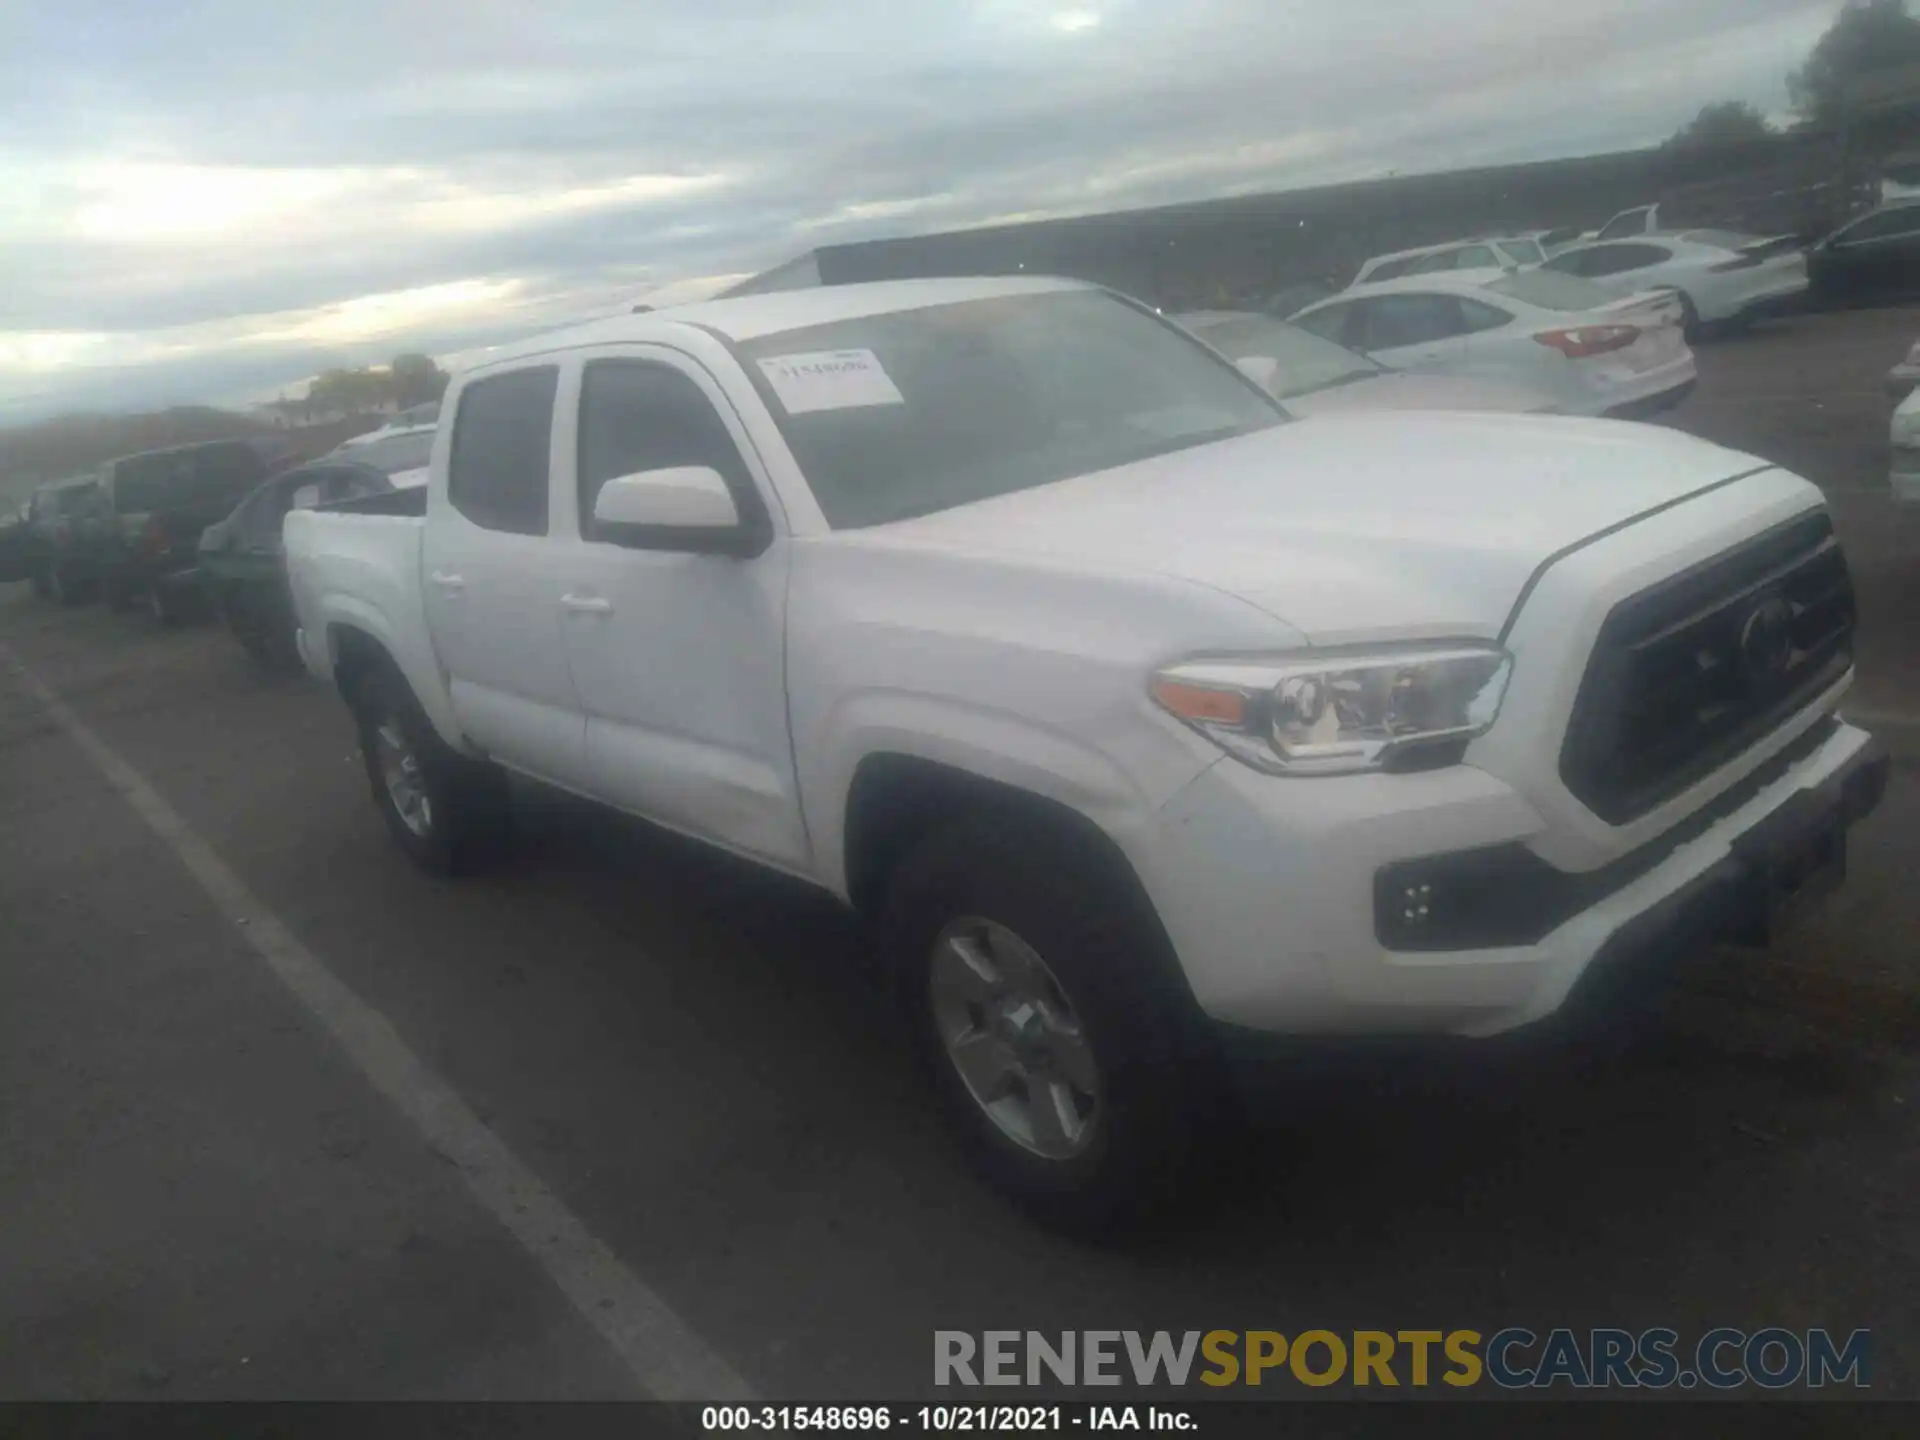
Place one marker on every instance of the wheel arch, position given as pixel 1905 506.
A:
pixel 897 799
pixel 356 641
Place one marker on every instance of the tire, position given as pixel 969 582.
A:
pixel 1113 1010
pixel 165 614
pixel 1690 326
pixel 450 814
pixel 117 594
pixel 41 586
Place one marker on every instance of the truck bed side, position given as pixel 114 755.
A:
pixel 361 572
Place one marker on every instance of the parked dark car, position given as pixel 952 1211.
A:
pixel 54 513
pixel 151 510
pixel 16 559
pixel 242 569
pixel 1874 258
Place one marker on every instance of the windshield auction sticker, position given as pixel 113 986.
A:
pixel 830 380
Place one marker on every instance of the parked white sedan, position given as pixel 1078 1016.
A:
pixel 1591 352
pixel 1904 472
pixel 1903 378
pixel 1722 276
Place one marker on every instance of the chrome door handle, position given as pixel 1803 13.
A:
pixel 587 604
pixel 448 581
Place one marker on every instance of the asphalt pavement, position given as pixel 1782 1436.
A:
pixel 207 1192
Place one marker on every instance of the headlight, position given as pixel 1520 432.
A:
pixel 1336 713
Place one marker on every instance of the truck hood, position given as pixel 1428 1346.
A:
pixel 1349 527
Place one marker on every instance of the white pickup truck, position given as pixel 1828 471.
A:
pixel 1130 707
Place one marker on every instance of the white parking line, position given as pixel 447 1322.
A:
pixel 667 1358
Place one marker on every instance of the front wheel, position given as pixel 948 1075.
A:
pixel 448 812
pixel 1061 1042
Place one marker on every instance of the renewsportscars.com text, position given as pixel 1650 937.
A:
pixel 1512 1358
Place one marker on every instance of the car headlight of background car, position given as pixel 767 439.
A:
pixel 1341 712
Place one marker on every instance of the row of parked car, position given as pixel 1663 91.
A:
pixel 193 530
pixel 1586 323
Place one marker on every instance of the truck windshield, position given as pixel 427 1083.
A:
pixel 915 411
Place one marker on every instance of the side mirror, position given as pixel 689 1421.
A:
pixel 1263 370
pixel 684 507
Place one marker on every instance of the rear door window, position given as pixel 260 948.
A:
pixel 260 521
pixel 502 432
pixel 1330 323
pixel 1392 322
pixel 1612 259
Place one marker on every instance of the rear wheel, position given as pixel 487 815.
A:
pixel 1689 317
pixel 448 812
pixel 1068 1058
pixel 161 606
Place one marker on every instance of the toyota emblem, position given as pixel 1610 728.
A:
pixel 1766 640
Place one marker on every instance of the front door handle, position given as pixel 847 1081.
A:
pixel 587 604
pixel 446 580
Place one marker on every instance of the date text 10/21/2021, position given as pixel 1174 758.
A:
pixel 942 1419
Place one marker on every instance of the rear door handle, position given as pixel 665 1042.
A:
pixel 587 604
pixel 448 581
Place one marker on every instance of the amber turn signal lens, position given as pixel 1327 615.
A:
pixel 1201 704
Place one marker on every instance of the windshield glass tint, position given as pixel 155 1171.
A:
pixel 396 453
pixel 915 411
pixel 1523 252
pixel 1307 362
pixel 1551 290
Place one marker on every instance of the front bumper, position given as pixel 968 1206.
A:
pixel 1268 893
pixel 1655 404
pixel 1902 379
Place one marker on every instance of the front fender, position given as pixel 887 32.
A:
pixel 1070 770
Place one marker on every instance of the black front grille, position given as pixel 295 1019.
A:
pixel 1686 675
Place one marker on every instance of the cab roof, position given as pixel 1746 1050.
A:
pixel 748 317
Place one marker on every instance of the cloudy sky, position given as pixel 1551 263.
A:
pixel 207 199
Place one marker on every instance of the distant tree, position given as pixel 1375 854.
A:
pixel 415 379
pixel 1867 36
pixel 1717 126
pixel 350 392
